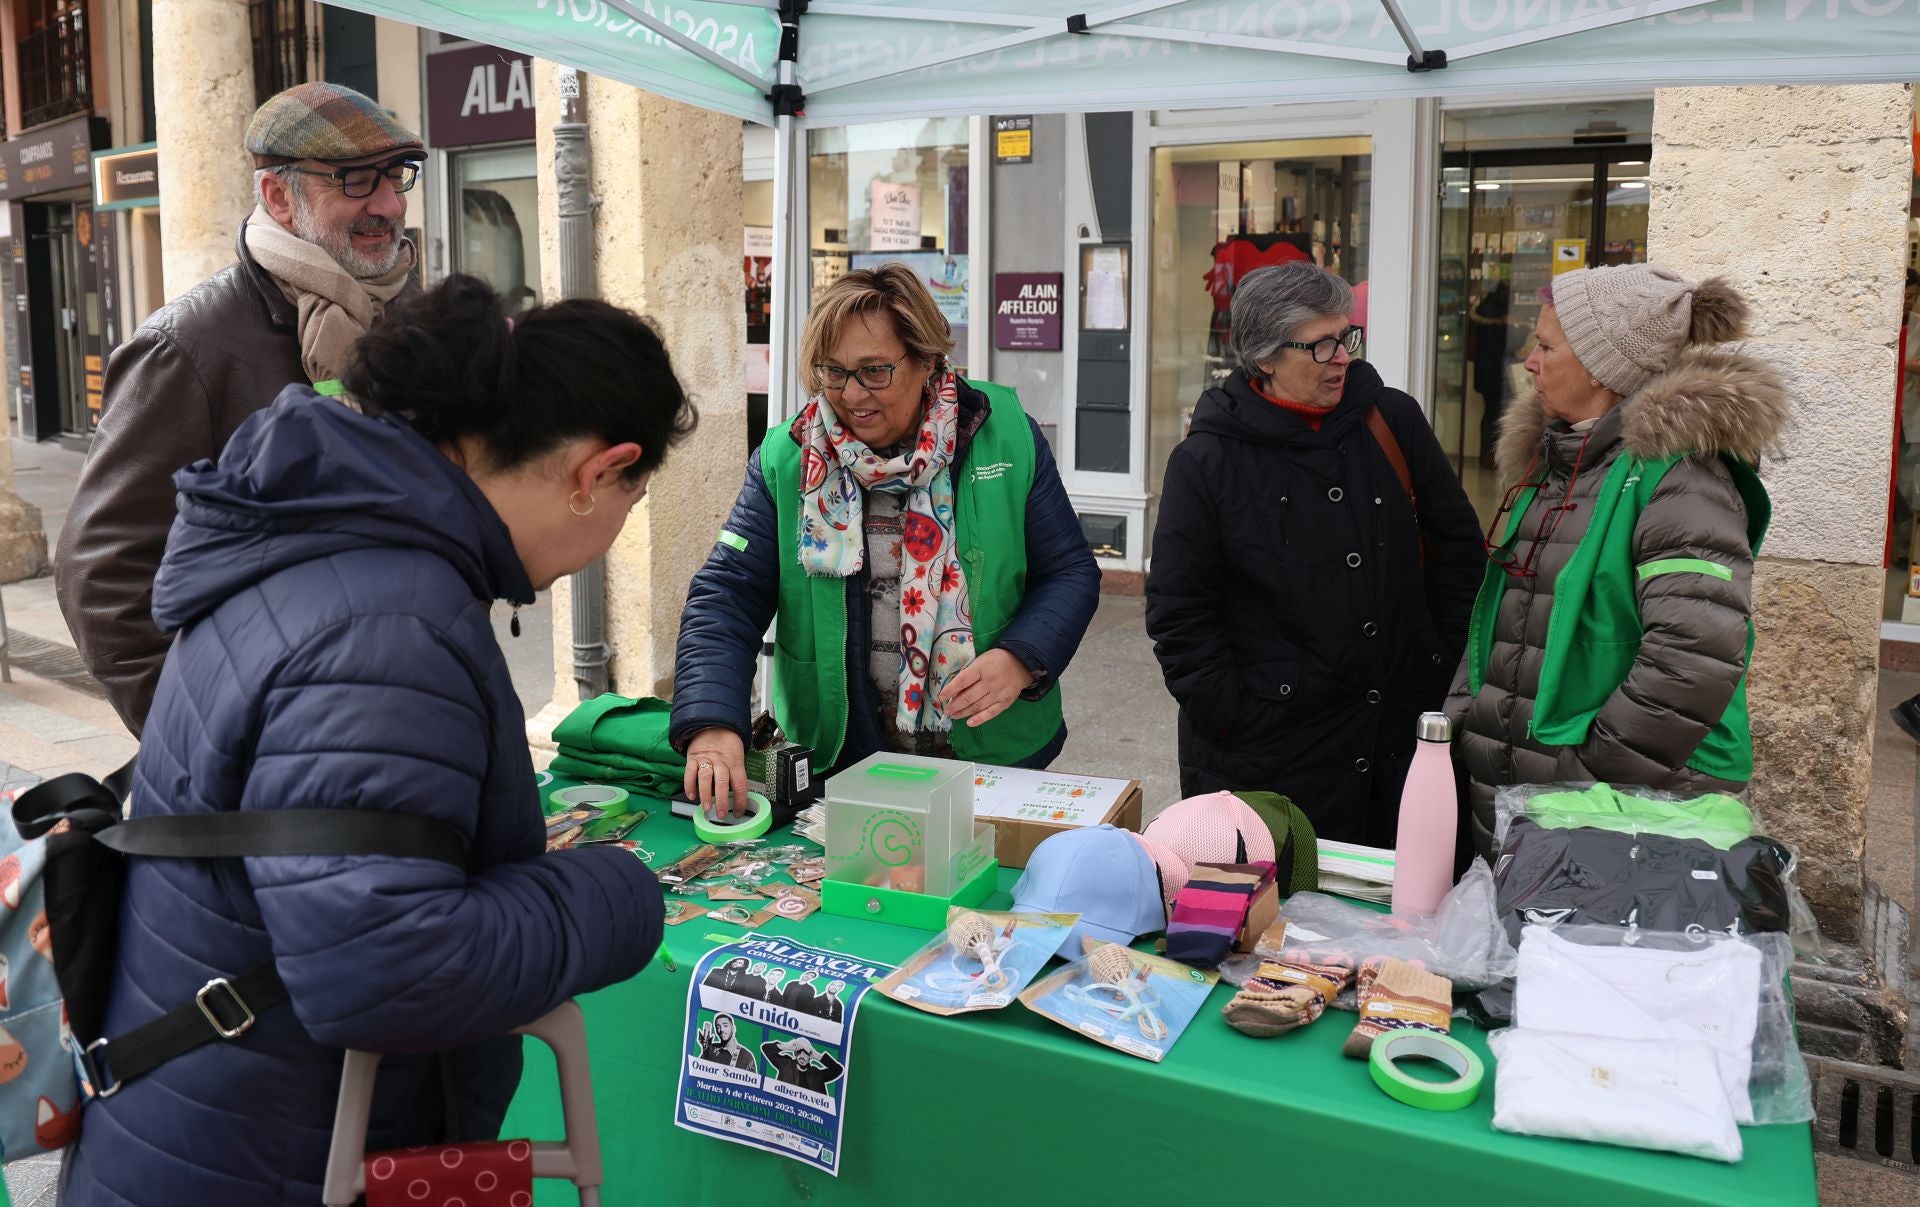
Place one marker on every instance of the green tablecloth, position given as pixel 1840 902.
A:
pixel 1008 1107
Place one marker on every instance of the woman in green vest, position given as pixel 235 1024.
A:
pixel 911 542
pixel 1611 636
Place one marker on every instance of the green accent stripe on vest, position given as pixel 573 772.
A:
pixel 733 540
pixel 1684 565
pixel 331 387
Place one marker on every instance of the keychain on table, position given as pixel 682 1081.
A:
pixel 973 936
pixel 1130 997
pixel 739 915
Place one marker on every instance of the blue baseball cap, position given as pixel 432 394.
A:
pixel 1101 873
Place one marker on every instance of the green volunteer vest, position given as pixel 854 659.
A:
pixel 990 524
pixel 1593 631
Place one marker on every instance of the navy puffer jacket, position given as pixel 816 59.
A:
pixel 330 581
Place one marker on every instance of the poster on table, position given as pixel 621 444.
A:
pixel 768 1039
pixel 894 214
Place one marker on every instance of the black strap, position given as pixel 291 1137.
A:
pixel 287 832
pixel 224 1009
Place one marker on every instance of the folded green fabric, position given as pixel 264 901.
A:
pixel 614 739
pixel 1715 819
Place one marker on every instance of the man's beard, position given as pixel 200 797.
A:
pixel 339 244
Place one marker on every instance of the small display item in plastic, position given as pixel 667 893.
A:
pixel 980 962
pixel 692 865
pixel 1132 1001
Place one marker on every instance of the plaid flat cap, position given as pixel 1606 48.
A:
pixel 326 122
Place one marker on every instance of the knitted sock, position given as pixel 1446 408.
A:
pixel 1284 995
pixel 1395 994
pixel 1209 912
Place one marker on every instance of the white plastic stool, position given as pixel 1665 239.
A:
pixel 575 1158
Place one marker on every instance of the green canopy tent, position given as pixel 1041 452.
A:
pixel 795 63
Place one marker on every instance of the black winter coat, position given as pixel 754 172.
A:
pixel 1288 606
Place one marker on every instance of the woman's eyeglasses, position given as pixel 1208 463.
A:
pixel 1529 487
pixel 1322 350
pixel 873 377
pixel 359 182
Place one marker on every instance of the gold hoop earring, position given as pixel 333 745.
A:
pixel 1594 382
pixel 591 503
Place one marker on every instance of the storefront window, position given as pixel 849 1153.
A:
pixel 893 191
pixel 1510 222
pixel 1221 211
pixel 496 226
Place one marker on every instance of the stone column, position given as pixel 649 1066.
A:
pixel 1800 196
pixel 667 244
pixel 202 102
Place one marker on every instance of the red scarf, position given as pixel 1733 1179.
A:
pixel 1312 416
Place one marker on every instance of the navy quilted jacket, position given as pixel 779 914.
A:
pixel 329 581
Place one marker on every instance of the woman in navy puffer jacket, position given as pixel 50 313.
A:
pixel 330 580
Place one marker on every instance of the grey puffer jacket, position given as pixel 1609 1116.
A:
pixel 1692 655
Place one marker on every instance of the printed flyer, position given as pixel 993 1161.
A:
pixel 769 1032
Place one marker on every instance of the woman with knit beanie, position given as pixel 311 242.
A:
pixel 1611 636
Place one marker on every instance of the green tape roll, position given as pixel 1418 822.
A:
pixel 757 823
pixel 605 797
pixel 1390 1046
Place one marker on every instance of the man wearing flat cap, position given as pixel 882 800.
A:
pixel 318 260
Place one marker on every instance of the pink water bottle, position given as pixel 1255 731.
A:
pixel 1429 812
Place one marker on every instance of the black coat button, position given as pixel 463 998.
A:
pixel 1370 629
pixel 1335 494
pixel 1373 697
pixel 1286 689
pixel 1353 559
pixel 1362 766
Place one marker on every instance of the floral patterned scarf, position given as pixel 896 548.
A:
pixel 836 469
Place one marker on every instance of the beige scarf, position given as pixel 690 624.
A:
pixel 335 309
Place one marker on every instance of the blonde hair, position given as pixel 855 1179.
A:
pixel 892 289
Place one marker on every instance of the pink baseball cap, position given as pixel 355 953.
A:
pixel 1218 827
pixel 1173 873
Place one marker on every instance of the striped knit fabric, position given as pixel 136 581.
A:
pixel 325 122
pixel 1209 912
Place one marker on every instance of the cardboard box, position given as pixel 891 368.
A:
pixel 1017 832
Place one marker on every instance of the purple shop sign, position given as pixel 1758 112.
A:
pixel 479 94
pixel 1026 311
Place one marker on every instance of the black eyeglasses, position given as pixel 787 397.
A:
pixel 1352 339
pixel 358 182
pixel 874 377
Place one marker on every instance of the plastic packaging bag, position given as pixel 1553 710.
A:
pixel 1463 942
pixel 1602 855
pixel 1728 992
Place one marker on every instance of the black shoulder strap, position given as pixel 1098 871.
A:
pixel 287 832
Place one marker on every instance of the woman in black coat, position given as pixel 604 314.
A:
pixel 1288 601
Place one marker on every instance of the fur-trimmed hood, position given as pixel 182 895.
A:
pixel 1712 400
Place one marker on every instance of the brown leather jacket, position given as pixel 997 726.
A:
pixel 175 392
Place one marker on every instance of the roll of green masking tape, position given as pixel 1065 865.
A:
pixel 752 826
pixel 1427 1095
pixel 604 797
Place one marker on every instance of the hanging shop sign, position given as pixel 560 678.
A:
pixel 50 158
pixel 1026 311
pixel 479 94
pixel 126 178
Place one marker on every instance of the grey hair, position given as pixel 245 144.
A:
pixel 259 177
pixel 1271 304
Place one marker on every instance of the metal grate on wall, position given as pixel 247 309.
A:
pixel 1866 1111
pixel 55 63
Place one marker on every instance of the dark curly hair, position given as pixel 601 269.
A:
pixel 448 363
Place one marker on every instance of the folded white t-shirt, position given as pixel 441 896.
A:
pixel 1643 1093
pixel 1709 994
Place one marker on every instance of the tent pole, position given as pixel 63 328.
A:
pixel 573 176
pixel 1418 57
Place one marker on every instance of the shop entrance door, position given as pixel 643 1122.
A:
pixel 69 230
pixel 1510 222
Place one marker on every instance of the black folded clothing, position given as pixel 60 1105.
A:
pixel 1548 876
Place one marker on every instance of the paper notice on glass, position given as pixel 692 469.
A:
pixel 895 216
pixel 1058 800
pixel 1107 290
pixel 768 1040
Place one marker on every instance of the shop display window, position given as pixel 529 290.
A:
pixel 495 213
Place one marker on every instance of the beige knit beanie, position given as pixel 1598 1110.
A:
pixel 1627 323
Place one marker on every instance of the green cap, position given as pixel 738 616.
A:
pixel 1292 838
